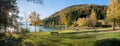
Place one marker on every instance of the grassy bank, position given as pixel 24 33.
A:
pixel 67 38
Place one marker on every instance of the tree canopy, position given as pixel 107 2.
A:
pixel 73 13
pixel 113 12
pixel 34 19
pixel 8 13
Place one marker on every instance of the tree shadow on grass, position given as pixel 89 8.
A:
pixel 71 35
pixel 7 39
pixel 29 44
pixel 80 32
pixel 42 44
pixel 108 42
pixel 78 37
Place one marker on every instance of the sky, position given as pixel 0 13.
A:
pixel 49 7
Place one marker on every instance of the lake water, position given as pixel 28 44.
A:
pixel 43 28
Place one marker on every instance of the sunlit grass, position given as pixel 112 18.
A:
pixel 65 38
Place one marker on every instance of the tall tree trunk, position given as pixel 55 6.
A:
pixel 35 28
pixel 114 25
pixel 21 28
pixel 5 28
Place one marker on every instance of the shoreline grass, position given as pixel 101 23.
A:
pixel 66 38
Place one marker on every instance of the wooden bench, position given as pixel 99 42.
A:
pixel 54 33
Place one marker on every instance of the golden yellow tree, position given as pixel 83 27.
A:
pixel 34 19
pixel 93 18
pixel 113 12
pixel 82 22
pixel 64 20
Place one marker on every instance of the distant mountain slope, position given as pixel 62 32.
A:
pixel 76 11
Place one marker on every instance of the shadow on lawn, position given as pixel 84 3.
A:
pixel 108 42
pixel 93 31
pixel 70 35
pixel 7 39
pixel 81 32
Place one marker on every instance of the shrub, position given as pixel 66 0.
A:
pixel 40 30
pixel 99 24
pixel 105 26
pixel 25 30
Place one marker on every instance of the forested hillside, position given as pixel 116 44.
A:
pixel 70 15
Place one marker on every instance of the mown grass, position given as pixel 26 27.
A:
pixel 65 38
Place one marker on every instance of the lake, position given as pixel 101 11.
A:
pixel 43 28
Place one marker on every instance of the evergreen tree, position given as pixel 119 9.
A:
pixel 8 13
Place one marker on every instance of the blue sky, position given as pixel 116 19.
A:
pixel 51 6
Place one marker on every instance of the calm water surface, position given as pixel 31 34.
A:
pixel 43 28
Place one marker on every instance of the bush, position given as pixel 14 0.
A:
pixel 99 24
pixel 40 30
pixel 105 26
pixel 25 30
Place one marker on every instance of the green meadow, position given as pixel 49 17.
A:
pixel 69 38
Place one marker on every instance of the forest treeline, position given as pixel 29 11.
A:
pixel 70 15
pixel 87 15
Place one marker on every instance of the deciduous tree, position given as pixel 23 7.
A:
pixel 34 19
pixel 64 20
pixel 82 22
pixel 93 18
pixel 113 12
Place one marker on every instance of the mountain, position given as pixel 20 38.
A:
pixel 74 12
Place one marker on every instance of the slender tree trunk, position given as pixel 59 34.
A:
pixel 5 28
pixel 35 28
pixel 114 25
pixel 21 28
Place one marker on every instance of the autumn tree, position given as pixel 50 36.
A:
pixel 82 22
pixel 64 20
pixel 34 19
pixel 113 12
pixel 93 18
pixel 74 12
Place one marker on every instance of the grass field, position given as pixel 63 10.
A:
pixel 69 38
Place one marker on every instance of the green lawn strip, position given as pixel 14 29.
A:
pixel 67 38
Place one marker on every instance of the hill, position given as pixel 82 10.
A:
pixel 74 12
